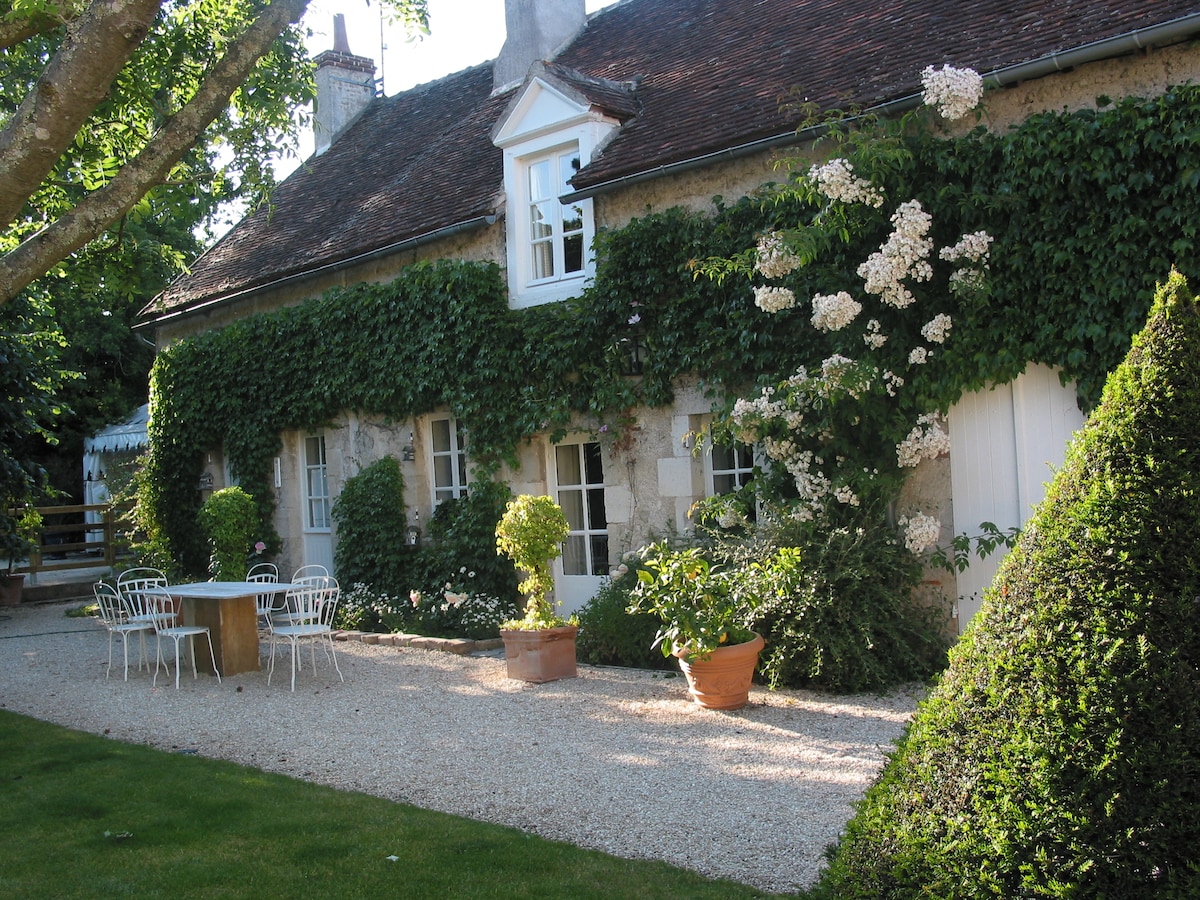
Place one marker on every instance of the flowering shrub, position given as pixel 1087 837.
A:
pixel 363 608
pixel 811 426
pixel 460 609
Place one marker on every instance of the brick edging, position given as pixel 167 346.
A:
pixel 459 646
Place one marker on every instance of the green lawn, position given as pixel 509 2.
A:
pixel 85 816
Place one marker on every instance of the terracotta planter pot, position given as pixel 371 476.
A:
pixel 11 587
pixel 538 656
pixel 723 680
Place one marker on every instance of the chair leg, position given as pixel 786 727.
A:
pixel 295 651
pixel 333 656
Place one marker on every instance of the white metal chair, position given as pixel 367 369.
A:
pixel 309 571
pixel 115 616
pixel 130 585
pixel 310 619
pixel 166 625
pixel 264 573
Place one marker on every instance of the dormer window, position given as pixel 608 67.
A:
pixel 550 131
pixel 556 232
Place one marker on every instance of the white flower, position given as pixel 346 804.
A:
pixel 920 532
pixel 834 312
pixel 936 329
pixel 773 299
pixel 837 181
pixel 975 246
pixel 845 495
pixel 952 92
pixel 966 281
pixel 872 337
pixel 918 356
pixel 927 440
pixel 774 258
pixel 902 255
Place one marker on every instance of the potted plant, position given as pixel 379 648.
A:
pixel 18 535
pixel 706 612
pixel 229 518
pixel 540 646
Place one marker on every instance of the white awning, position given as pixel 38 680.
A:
pixel 127 436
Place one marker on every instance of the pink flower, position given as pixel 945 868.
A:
pixel 259 547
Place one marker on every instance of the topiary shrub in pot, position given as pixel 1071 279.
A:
pixel 1058 754
pixel 229 519
pixel 540 646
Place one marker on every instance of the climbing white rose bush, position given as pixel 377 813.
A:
pixel 823 428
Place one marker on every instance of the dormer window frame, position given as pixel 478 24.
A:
pixel 544 125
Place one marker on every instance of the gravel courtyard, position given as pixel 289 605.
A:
pixel 617 760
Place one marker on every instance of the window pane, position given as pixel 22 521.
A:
pixel 722 458
pixel 724 484
pixel 539 181
pixel 541 220
pixel 599 554
pixel 573 253
pixel 575 556
pixel 443 471
pixel 542 260
pixel 572 507
pixel 567 459
pixel 597 519
pixel 440 429
pixel 593 463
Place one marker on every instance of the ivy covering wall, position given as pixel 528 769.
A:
pixel 1089 210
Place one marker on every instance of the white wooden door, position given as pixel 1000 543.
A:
pixel 318 533
pixel 1005 444
pixel 579 489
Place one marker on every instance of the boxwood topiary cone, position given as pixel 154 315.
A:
pixel 1060 753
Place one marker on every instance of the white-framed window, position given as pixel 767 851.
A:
pixel 448 459
pixel 316 484
pixel 579 477
pixel 547 134
pixel 729 468
pixel 554 231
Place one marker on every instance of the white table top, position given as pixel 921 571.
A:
pixel 219 590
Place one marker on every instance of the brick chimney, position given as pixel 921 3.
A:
pixel 536 30
pixel 345 85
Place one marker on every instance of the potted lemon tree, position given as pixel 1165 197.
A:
pixel 706 611
pixel 18 535
pixel 540 646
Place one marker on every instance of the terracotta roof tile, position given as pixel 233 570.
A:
pixel 687 77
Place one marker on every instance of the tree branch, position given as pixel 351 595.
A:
pixel 13 32
pixel 95 48
pixel 98 210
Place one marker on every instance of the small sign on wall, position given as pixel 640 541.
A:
pixel 206 482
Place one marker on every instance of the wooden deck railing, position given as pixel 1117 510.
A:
pixel 78 544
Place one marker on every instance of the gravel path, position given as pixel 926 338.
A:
pixel 617 760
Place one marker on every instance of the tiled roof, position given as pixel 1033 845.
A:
pixel 709 75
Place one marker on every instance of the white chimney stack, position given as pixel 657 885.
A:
pixel 345 85
pixel 536 30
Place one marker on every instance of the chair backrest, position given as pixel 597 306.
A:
pixel 112 609
pixel 159 605
pixel 263 572
pixel 138 579
pixel 308 571
pixel 313 604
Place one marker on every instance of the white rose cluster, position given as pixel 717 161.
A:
pixel 975 246
pixel 837 181
pixel 918 356
pixel 966 281
pixel 920 532
pixel 833 312
pixel 927 440
pixel 773 299
pixel 952 92
pixel 774 258
pixel 937 329
pixel 903 255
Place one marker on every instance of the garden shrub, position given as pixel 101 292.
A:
pixel 372 530
pixel 611 636
pixel 229 519
pixel 851 624
pixel 1058 754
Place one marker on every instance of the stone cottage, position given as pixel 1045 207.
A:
pixel 584 123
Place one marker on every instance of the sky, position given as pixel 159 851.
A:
pixel 462 34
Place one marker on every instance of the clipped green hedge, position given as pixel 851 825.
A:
pixel 1060 753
